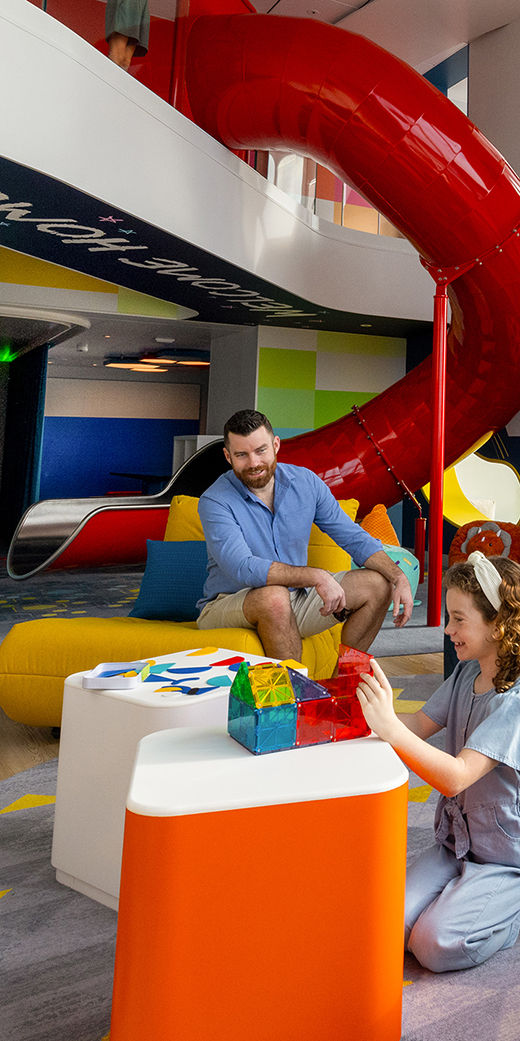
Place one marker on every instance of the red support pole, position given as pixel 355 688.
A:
pixel 440 317
pixel 419 544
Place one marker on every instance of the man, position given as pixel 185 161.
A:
pixel 257 520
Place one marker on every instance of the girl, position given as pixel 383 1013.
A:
pixel 463 894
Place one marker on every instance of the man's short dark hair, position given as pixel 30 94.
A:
pixel 246 422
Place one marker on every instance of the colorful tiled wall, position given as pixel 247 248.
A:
pixel 308 378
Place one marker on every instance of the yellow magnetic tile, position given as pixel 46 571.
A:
pixel 203 650
pixel 3 892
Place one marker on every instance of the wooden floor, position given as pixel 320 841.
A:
pixel 22 747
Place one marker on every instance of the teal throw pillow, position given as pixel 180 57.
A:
pixel 407 562
pixel 172 582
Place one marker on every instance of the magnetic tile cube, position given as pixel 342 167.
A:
pixel 270 685
pixel 274 707
pixel 315 722
pixel 269 729
pixel 349 721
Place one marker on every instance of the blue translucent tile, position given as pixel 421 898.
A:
pixel 304 688
pixel 275 728
pixel 270 729
pixel 242 722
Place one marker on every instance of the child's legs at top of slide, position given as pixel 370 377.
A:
pixel 476 914
pixel 426 877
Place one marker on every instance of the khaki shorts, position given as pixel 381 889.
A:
pixel 226 611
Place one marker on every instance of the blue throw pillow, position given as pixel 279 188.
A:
pixel 172 582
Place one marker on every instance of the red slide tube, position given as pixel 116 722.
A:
pixel 256 81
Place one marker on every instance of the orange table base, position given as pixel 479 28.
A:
pixel 273 923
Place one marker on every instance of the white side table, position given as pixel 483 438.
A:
pixel 99 736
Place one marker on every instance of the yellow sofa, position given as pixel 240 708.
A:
pixel 37 656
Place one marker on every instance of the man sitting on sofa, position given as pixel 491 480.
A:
pixel 257 519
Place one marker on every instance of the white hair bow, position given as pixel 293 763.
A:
pixel 487 577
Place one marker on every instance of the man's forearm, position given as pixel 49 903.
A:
pixel 387 567
pixel 280 574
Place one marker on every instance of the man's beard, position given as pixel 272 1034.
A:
pixel 260 480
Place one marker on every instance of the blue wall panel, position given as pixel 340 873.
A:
pixel 78 453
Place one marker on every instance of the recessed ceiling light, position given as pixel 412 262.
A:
pixel 133 366
pixel 107 336
pixel 152 360
pixel 165 339
pixel 365 325
pixel 199 364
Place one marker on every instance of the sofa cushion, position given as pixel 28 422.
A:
pixel 35 657
pixel 378 524
pixel 407 562
pixel 183 522
pixel 173 580
pixel 323 551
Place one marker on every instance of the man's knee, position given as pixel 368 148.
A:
pixel 270 603
pixel 371 587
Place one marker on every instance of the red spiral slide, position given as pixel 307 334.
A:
pixel 255 81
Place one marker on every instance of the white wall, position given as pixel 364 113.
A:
pixel 111 399
pixel 494 87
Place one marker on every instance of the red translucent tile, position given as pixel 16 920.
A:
pixel 352 662
pixel 349 721
pixel 342 686
pixel 315 722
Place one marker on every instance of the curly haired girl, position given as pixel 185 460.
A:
pixel 463 893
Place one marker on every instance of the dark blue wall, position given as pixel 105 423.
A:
pixel 78 454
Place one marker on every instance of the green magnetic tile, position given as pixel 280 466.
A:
pixel 332 404
pixel 286 368
pixel 287 407
pixel 241 688
pixel 354 343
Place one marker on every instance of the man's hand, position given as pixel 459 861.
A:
pixel 330 591
pixel 401 594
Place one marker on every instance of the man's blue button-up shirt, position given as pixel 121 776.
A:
pixel 244 537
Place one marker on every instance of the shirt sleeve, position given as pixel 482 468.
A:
pixel 331 519
pixel 498 735
pixel 228 547
pixel 438 704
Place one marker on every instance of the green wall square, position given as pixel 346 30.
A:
pixel 286 368
pixel 333 404
pixel 356 343
pixel 287 408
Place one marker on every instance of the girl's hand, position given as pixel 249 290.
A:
pixel 376 700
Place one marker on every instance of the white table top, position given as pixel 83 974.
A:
pixel 199 770
pixel 150 694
